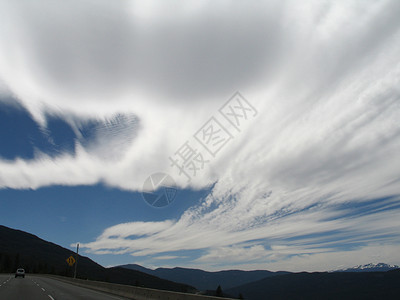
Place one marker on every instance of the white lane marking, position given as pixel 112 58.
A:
pixel 50 297
pixel 43 290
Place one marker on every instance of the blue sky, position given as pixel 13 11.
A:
pixel 65 215
pixel 276 124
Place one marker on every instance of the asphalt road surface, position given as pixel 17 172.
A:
pixel 39 288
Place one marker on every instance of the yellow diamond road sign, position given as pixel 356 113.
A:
pixel 71 261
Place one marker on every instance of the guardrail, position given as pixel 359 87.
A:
pixel 132 292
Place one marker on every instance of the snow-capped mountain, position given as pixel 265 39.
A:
pixel 379 267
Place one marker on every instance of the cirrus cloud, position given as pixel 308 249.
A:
pixel 324 77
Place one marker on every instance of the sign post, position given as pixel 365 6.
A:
pixel 76 264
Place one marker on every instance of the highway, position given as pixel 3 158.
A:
pixel 40 288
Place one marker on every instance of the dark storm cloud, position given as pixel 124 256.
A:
pixel 100 47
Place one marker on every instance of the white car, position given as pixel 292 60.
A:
pixel 20 272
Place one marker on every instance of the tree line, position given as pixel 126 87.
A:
pixel 10 262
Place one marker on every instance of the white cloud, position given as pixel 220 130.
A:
pixel 234 254
pixel 166 257
pixel 324 78
pixel 334 260
pixel 230 235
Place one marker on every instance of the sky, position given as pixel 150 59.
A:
pixel 271 127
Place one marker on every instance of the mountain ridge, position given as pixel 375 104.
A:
pixel 323 285
pixel 19 248
pixel 371 267
pixel 22 249
pixel 205 280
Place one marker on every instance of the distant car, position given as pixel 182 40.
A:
pixel 20 272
